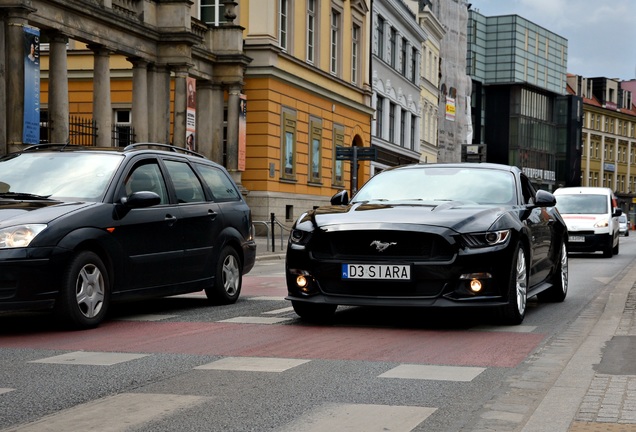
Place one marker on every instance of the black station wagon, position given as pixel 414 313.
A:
pixel 83 226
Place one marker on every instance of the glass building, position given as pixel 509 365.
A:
pixel 520 109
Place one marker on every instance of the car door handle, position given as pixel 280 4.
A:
pixel 212 214
pixel 170 219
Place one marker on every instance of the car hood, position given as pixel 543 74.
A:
pixel 454 215
pixel 14 212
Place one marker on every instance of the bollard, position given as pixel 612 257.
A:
pixel 273 218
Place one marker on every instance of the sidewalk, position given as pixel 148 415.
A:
pixel 265 250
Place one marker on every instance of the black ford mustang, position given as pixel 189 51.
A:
pixel 431 236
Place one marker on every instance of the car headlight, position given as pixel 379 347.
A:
pixel 299 237
pixel 601 223
pixel 19 236
pixel 485 239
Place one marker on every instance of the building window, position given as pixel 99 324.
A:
pixel 338 170
pixel 379 117
pixel 123 128
pixel 414 65
pixel 213 12
pixel 288 146
pixel 283 30
pixel 392 122
pixel 413 137
pixel 335 42
pixel 381 23
pixel 403 128
pixel 403 59
pixel 355 53
pixel 311 31
pixel 393 46
pixel 315 155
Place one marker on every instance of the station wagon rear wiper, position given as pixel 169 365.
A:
pixel 23 195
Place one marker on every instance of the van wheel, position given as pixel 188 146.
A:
pixel 615 250
pixel 608 252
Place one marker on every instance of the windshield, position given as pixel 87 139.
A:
pixel 582 204
pixel 434 183
pixel 71 175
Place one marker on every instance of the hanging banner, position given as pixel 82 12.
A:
pixel 191 114
pixel 242 131
pixel 450 108
pixel 31 119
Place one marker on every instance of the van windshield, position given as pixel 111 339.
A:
pixel 582 204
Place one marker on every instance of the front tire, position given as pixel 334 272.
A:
pixel 515 311
pixel 228 278
pixel 559 289
pixel 85 294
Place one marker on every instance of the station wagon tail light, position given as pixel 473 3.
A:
pixel 19 236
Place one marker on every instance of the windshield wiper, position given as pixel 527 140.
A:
pixel 23 195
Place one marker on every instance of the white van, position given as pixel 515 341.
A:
pixel 591 215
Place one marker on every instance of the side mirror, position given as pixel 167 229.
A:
pixel 141 199
pixel 544 199
pixel 617 212
pixel 340 198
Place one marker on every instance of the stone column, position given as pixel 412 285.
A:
pixel 140 99
pixel 58 89
pixel 233 107
pixel 180 106
pixel 102 110
pixel 588 155
pixel 204 125
pixel 15 22
pixel 216 120
pixel 159 94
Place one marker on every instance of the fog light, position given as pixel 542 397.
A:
pixel 475 285
pixel 301 281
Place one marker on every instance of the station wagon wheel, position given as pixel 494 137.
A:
pixel 228 278
pixel 515 311
pixel 84 294
pixel 314 312
pixel 559 289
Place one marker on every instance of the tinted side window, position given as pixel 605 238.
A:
pixel 219 183
pixel 186 183
pixel 527 190
pixel 146 177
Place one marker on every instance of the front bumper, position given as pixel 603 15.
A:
pixel 432 284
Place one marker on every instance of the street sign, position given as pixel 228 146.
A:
pixel 358 153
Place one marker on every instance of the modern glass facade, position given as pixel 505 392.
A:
pixel 519 73
pixel 510 49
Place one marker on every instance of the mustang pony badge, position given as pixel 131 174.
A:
pixel 381 246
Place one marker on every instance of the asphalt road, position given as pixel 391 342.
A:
pixel 179 364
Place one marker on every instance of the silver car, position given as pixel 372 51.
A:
pixel 623 225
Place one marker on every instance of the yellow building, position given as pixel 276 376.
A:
pixel 308 93
pixel 608 156
pixel 306 90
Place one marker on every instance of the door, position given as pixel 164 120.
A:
pixel 152 237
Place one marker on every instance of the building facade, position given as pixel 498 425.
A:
pixel 396 58
pixel 608 157
pixel 429 79
pixel 308 94
pixel 521 112
pixel 120 62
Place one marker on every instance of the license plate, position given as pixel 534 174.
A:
pixel 376 271
pixel 577 239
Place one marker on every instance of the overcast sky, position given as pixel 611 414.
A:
pixel 601 34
